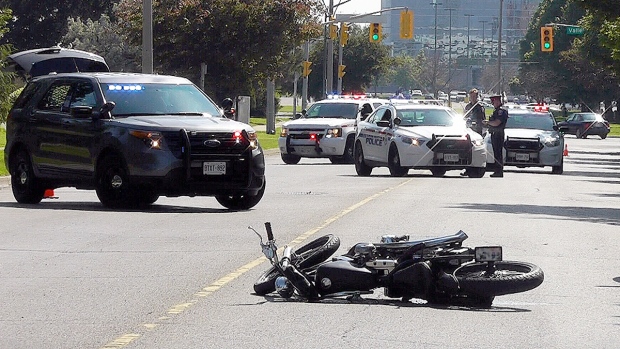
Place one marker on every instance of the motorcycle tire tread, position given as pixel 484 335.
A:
pixel 500 284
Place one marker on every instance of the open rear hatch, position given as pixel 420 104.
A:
pixel 43 61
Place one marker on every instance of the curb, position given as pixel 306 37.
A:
pixel 5 182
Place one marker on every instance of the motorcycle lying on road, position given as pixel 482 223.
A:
pixel 439 270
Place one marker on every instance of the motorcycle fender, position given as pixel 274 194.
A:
pixel 341 276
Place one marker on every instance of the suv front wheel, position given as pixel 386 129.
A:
pixel 241 202
pixel 113 189
pixel 26 188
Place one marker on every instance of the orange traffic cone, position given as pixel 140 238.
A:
pixel 49 194
pixel 565 150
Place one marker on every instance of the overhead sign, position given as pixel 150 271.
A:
pixel 574 30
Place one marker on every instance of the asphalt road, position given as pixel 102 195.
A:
pixel 180 275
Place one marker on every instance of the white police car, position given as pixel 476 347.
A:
pixel 412 135
pixel 326 129
pixel 532 140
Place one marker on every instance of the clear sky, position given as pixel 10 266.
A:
pixel 357 6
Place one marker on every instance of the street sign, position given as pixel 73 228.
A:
pixel 574 30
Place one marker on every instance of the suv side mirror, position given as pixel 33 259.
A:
pixel 105 110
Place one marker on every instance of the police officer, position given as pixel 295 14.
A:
pixel 496 124
pixel 475 110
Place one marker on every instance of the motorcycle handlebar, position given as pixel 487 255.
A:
pixel 269 231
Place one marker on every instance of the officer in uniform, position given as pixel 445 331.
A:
pixel 475 110
pixel 496 124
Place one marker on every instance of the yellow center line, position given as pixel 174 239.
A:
pixel 126 339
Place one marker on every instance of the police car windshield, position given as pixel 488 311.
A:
pixel 425 117
pixel 539 121
pixel 158 99
pixel 333 110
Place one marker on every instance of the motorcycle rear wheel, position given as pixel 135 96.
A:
pixel 305 257
pixel 509 277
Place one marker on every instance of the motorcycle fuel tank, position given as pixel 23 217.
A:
pixel 340 276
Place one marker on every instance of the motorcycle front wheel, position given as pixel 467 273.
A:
pixel 307 256
pixel 508 277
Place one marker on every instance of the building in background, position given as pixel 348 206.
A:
pixel 463 32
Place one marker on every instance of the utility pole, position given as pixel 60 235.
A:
pixel 483 43
pixel 330 53
pixel 147 36
pixel 450 54
pixel 435 56
pixel 304 84
pixel 469 16
pixel 469 71
pixel 499 48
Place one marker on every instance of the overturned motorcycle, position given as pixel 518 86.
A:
pixel 439 270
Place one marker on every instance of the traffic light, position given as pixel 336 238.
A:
pixel 546 39
pixel 341 71
pixel 306 71
pixel 406 24
pixel 344 34
pixel 375 32
pixel 333 31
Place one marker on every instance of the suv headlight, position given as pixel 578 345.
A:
pixel 152 140
pixel 284 131
pixel 334 132
pixel 551 141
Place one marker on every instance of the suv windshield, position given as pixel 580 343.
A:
pixel 425 117
pixel 333 110
pixel 158 99
pixel 531 121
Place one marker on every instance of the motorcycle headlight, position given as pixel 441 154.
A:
pixel 334 132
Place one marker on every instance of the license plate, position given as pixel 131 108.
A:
pixel 451 157
pixel 522 157
pixel 488 254
pixel 214 168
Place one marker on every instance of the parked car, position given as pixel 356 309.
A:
pixel 132 138
pixel 326 129
pixel 532 140
pixel 413 135
pixel 585 124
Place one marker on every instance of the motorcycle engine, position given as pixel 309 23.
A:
pixel 364 252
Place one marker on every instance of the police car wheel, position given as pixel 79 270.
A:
pixel 360 166
pixel 396 170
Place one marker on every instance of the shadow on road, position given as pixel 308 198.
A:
pixel 581 214
pixel 97 207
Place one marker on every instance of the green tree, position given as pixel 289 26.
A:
pixel 242 42
pixel 42 23
pixel 366 63
pixel 7 85
pixel 103 38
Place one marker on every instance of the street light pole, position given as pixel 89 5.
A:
pixel 330 53
pixel 483 43
pixel 469 16
pixel 147 36
pixel 450 52
pixel 435 57
pixel 499 47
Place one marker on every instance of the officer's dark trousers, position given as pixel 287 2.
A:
pixel 497 141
